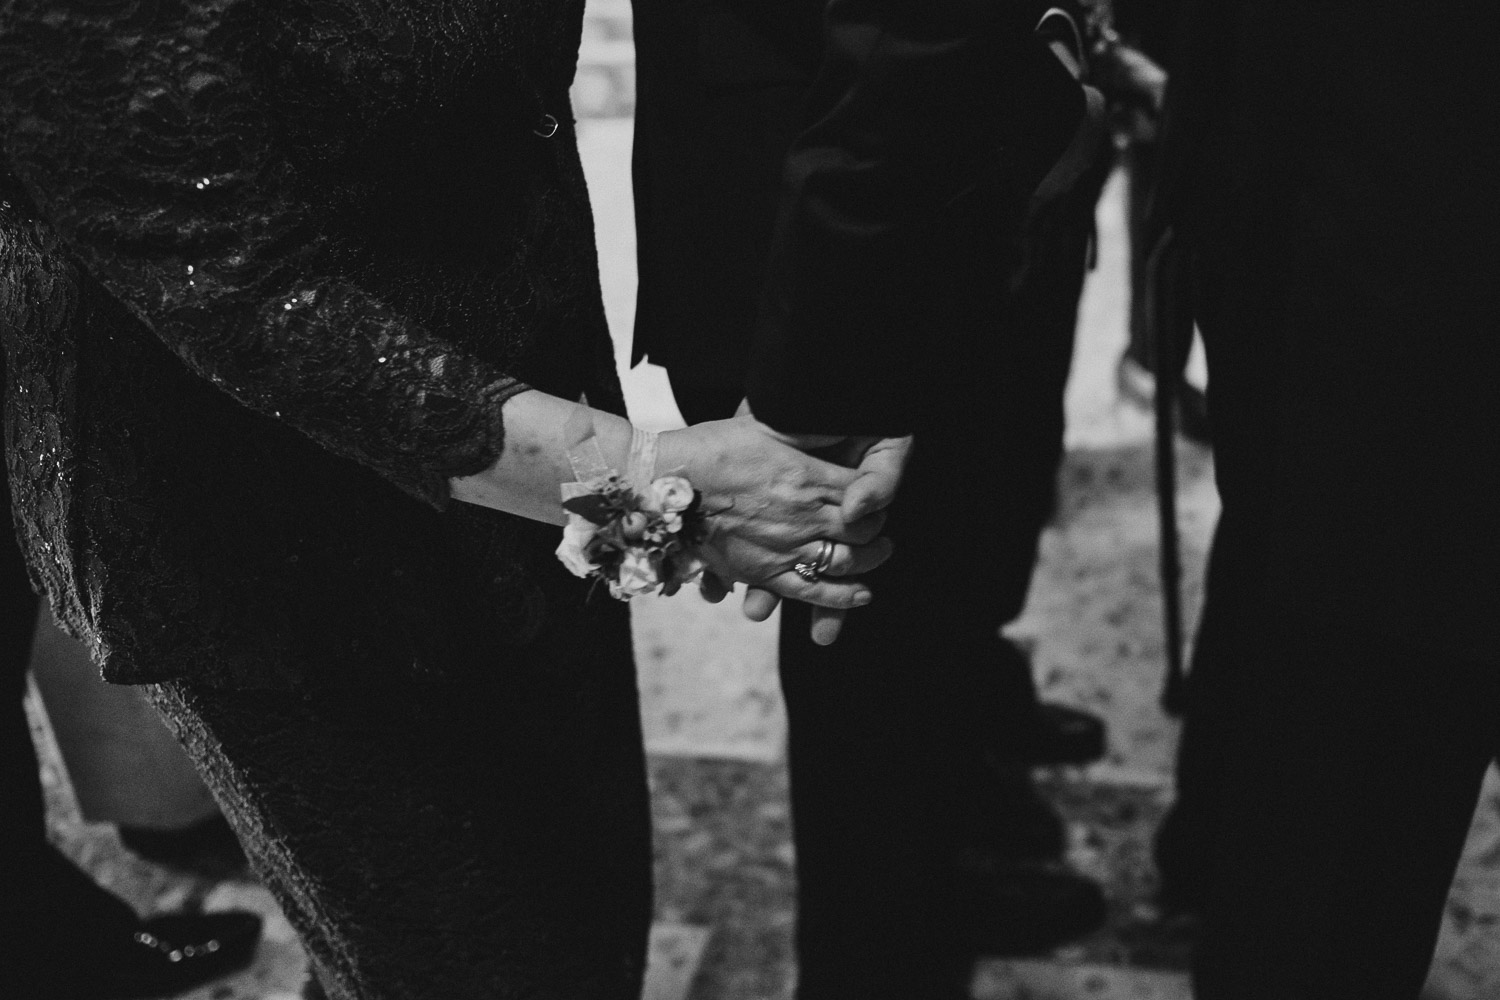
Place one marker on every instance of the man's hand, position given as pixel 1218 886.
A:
pixel 880 463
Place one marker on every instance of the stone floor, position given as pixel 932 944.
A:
pixel 716 730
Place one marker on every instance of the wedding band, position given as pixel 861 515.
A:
pixel 813 571
pixel 824 561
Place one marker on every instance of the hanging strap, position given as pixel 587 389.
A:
pixel 1169 322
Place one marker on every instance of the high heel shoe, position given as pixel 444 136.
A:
pixel 69 939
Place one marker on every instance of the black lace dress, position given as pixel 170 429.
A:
pixel 268 271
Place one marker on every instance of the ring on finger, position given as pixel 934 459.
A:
pixel 824 560
pixel 812 571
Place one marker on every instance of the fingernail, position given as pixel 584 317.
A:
pixel 862 598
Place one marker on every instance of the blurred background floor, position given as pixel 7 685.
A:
pixel 716 730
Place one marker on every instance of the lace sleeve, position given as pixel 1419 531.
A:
pixel 163 165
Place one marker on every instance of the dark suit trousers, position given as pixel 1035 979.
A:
pixel 1335 739
pixel 890 726
pixel 1328 779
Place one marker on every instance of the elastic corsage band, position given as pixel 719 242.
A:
pixel 636 532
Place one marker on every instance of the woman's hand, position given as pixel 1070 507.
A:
pixel 879 464
pixel 771 507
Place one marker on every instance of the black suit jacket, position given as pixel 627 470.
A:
pixel 806 172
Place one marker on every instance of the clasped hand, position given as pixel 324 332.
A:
pixel 773 504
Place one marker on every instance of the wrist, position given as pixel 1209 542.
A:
pixel 614 434
pixel 677 456
pixel 705 455
pixel 539 431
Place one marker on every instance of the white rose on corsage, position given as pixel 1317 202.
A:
pixel 638 576
pixel 573 550
pixel 670 495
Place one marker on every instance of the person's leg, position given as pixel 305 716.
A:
pixel 1028 366
pixel 483 838
pixel 883 800
pixel 1346 773
pixel 50 905
pixel 891 738
pixel 896 728
pixel 1330 764
pixel 1178 848
pixel 22 821
pixel 870 792
pixel 54 911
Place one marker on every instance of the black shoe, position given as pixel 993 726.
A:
pixel 1014 821
pixel 208 847
pixel 1029 908
pixel 159 957
pixel 1059 734
pixel 72 940
pixel 1027 730
pixel 175 953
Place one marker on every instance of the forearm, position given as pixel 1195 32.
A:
pixel 533 464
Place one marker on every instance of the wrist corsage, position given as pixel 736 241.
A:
pixel 638 533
